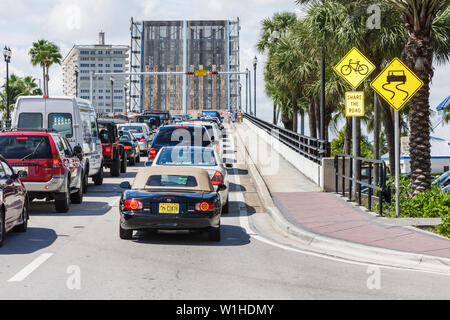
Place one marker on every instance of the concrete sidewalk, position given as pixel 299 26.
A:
pixel 328 215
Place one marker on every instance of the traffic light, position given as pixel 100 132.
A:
pixel 190 73
pixel 213 72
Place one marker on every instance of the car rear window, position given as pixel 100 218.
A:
pixel 18 147
pixel 186 157
pixel 61 123
pixel 30 121
pixel 193 136
pixel 132 128
pixel 171 181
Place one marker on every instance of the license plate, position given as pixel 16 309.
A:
pixel 18 169
pixel 169 208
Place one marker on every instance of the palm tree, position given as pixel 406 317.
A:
pixel 418 54
pixel 45 54
pixel 18 87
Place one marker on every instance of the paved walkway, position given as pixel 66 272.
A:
pixel 329 215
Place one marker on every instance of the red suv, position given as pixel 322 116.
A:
pixel 54 170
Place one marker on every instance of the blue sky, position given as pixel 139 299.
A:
pixel 69 22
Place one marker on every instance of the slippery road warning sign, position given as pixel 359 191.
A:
pixel 354 68
pixel 354 104
pixel 396 84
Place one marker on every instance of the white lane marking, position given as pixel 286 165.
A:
pixel 244 223
pixel 25 272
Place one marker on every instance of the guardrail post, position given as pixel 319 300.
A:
pixel 343 176
pixel 336 170
pixel 350 187
pixel 370 189
pixel 358 183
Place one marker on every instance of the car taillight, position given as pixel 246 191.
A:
pixel 56 161
pixel 218 148
pixel 205 206
pixel 127 148
pixel 108 150
pixel 217 179
pixel 142 139
pixel 133 205
pixel 152 153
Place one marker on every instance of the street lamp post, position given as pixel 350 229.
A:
pixel 112 95
pixel 275 37
pixel 76 81
pixel 246 88
pixel 7 54
pixel 255 62
pixel 125 88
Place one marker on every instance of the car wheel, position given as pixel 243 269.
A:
pixel 132 161
pixel 125 234
pixel 115 167
pixel 85 182
pixel 77 197
pixel 225 207
pixel 98 178
pixel 138 158
pixel 123 165
pixel 2 227
pixel 62 204
pixel 214 234
pixel 24 226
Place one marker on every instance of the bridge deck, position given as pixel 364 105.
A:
pixel 302 203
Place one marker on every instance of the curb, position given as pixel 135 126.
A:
pixel 340 248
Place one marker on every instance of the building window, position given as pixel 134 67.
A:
pixel 116 65
pixel 84 65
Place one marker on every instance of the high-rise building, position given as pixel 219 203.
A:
pixel 184 46
pixel 100 58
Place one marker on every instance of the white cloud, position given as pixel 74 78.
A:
pixel 24 21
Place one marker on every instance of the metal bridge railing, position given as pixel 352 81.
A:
pixel 361 180
pixel 311 148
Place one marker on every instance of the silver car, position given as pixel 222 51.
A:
pixel 141 132
pixel 201 157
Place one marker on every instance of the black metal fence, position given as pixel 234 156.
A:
pixel 365 177
pixel 311 148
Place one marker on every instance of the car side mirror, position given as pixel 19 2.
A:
pixel 78 151
pixel 125 185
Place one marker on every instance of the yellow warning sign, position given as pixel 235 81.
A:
pixel 396 84
pixel 354 68
pixel 354 104
pixel 200 73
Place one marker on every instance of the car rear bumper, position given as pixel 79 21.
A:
pixel 56 184
pixel 168 222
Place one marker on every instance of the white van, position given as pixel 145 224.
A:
pixel 75 118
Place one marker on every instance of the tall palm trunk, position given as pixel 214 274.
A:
pixel 312 119
pixel 44 82
pixel 287 121
pixel 418 55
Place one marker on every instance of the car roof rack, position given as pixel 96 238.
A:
pixel 29 130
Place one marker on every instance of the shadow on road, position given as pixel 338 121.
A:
pixel 33 240
pixel 231 236
pixel 88 208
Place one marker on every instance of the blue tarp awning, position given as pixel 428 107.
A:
pixel 443 104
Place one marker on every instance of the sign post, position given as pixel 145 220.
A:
pixel 354 68
pixel 397 84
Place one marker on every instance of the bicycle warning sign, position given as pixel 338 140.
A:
pixel 396 84
pixel 354 68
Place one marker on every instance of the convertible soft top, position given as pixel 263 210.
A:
pixel 201 175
